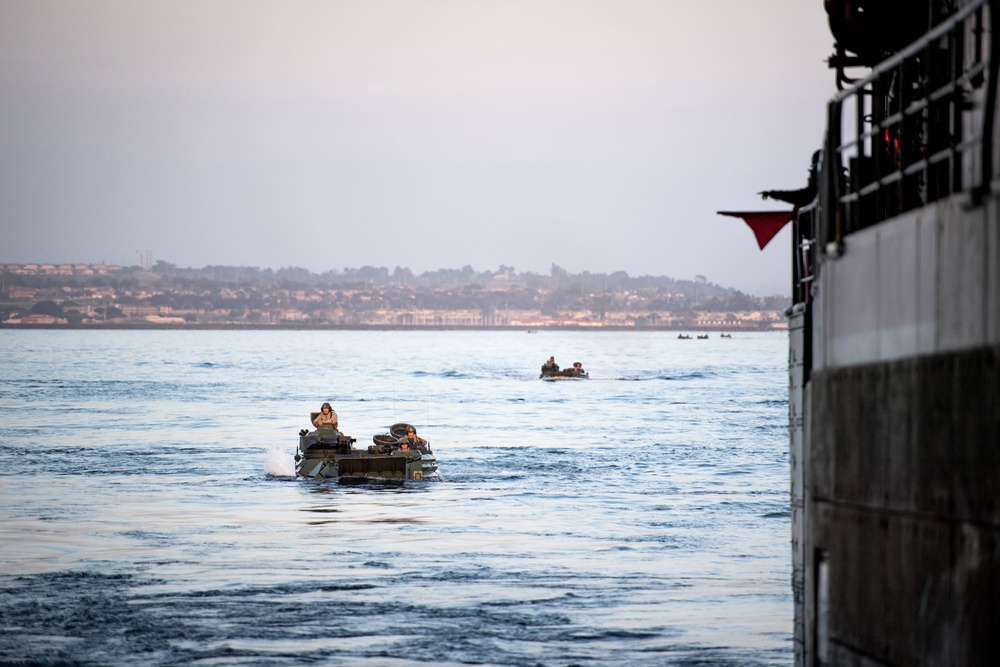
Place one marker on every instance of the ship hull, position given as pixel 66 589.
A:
pixel 895 444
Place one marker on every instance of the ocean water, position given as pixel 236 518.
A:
pixel 151 515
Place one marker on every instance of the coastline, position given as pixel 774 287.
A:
pixel 236 326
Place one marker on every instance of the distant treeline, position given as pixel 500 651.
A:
pixel 442 288
pixel 558 277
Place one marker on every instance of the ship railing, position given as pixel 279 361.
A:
pixel 805 258
pixel 917 129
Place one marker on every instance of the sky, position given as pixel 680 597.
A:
pixel 597 135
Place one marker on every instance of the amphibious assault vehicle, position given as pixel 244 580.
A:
pixel 328 453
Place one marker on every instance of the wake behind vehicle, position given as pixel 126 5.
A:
pixel 328 453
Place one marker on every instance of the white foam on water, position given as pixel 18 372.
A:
pixel 279 463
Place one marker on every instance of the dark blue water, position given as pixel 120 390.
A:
pixel 636 518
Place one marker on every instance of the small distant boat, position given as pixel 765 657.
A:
pixel 328 453
pixel 551 371
pixel 702 336
pixel 725 335
pixel 683 337
pixel 567 374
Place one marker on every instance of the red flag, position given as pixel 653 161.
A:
pixel 765 224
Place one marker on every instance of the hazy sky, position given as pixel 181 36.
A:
pixel 599 135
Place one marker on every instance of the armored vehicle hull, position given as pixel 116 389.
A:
pixel 568 374
pixel 328 453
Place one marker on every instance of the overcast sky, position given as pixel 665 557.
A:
pixel 599 135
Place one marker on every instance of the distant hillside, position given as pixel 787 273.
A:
pixel 164 293
pixel 699 289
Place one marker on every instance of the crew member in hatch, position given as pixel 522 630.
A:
pixel 412 441
pixel 326 418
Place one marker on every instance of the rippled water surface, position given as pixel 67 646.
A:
pixel 150 514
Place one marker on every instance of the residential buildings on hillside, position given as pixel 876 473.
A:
pixel 102 295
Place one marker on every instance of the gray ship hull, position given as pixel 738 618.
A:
pixel 894 365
